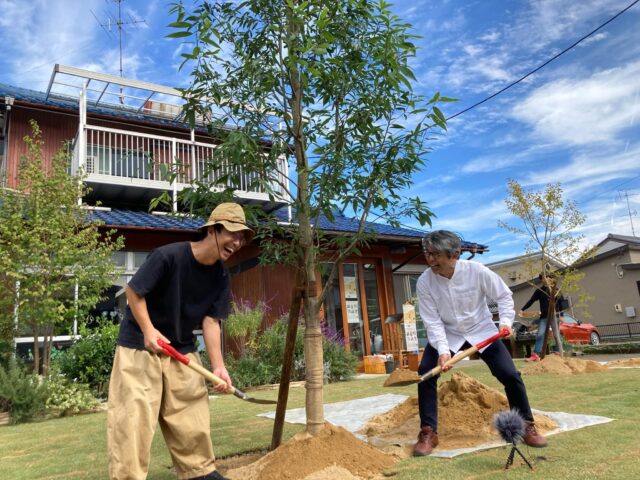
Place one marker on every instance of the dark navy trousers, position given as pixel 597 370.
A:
pixel 497 358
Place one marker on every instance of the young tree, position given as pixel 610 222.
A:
pixel 49 247
pixel 327 83
pixel 548 222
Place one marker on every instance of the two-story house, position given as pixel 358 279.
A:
pixel 122 131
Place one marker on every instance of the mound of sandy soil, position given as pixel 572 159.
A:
pixel 627 362
pixel 563 366
pixel 332 473
pixel 465 415
pixel 334 449
pixel 400 376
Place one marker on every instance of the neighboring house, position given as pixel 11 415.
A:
pixel 612 279
pixel 120 134
pixel 516 270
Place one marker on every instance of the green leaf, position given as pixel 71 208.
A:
pixel 179 34
pixel 180 25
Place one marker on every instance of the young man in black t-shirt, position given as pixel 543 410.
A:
pixel 180 287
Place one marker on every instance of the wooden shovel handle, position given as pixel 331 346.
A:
pixel 172 352
pixel 464 354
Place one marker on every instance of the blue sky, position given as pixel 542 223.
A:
pixel 576 121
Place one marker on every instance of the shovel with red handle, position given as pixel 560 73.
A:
pixel 453 360
pixel 172 352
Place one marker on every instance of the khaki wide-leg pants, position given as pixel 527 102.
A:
pixel 146 388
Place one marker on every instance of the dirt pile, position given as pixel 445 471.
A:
pixel 563 366
pixel 332 473
pixel 400 376
pixel 627 362
pixel 330 452
pixel 465 413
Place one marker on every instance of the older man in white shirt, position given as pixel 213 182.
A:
pixel 452 301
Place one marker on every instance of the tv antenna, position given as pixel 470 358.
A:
pixel 626 194
pixel 119 24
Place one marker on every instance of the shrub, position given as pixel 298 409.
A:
pixel 609 348
pixel 90 359
pixel 264 364
pixel 65 397
pixel 243 324
pixel 339 365
pixel 22 394
pixel 252 371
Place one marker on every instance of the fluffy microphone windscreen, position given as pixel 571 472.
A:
pixel 510 425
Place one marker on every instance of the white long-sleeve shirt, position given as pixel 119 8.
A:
pixel 454 310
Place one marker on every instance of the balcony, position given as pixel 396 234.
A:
pixel 128 166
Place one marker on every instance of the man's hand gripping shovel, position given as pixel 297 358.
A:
pixel 172 352
pixel 455 359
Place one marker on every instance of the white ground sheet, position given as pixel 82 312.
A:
pixel 354 414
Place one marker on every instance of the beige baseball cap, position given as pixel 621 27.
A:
pixel 230 216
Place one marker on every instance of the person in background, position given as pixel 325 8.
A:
pixel 180 287
pixel 452 300
pixel 541 295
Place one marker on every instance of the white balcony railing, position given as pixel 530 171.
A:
pixel 122 157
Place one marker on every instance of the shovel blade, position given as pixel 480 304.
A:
pixel 243 396
pixel 403 383
pixel 261 401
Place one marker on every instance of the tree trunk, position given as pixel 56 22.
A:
pixel 36 350
pixel 552 322
pixel 314 401
pixel 307 260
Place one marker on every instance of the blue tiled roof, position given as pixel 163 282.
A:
pixel 131 218
pixel 39 98
pixel 140 219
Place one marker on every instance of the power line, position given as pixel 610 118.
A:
pixel 615 187
pixel 544 64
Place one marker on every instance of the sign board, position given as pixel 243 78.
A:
pixel 411 337
pixel 353 311
pixel 410 331
pixel 350 287
pixel 408 313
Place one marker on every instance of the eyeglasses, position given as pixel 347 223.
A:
pixel 428 253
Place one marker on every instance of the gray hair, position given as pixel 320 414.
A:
pixel 442 241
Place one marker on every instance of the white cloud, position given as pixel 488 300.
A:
pixel 472 218
pixel 36 35
pixel 549 21
pixel 592 39
pixel 590 168
pixel 583 111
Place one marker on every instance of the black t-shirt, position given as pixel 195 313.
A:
pixel 179 292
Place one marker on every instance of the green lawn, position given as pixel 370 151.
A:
pixel 75 447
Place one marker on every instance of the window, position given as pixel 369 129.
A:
pixel 139 258
pixel 129 163
pixel 120 259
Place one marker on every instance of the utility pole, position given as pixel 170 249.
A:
pixel 119 23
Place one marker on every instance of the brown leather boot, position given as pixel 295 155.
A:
pixel 532 437
pixel 427 441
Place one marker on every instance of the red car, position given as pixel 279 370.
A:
pixel 574 331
